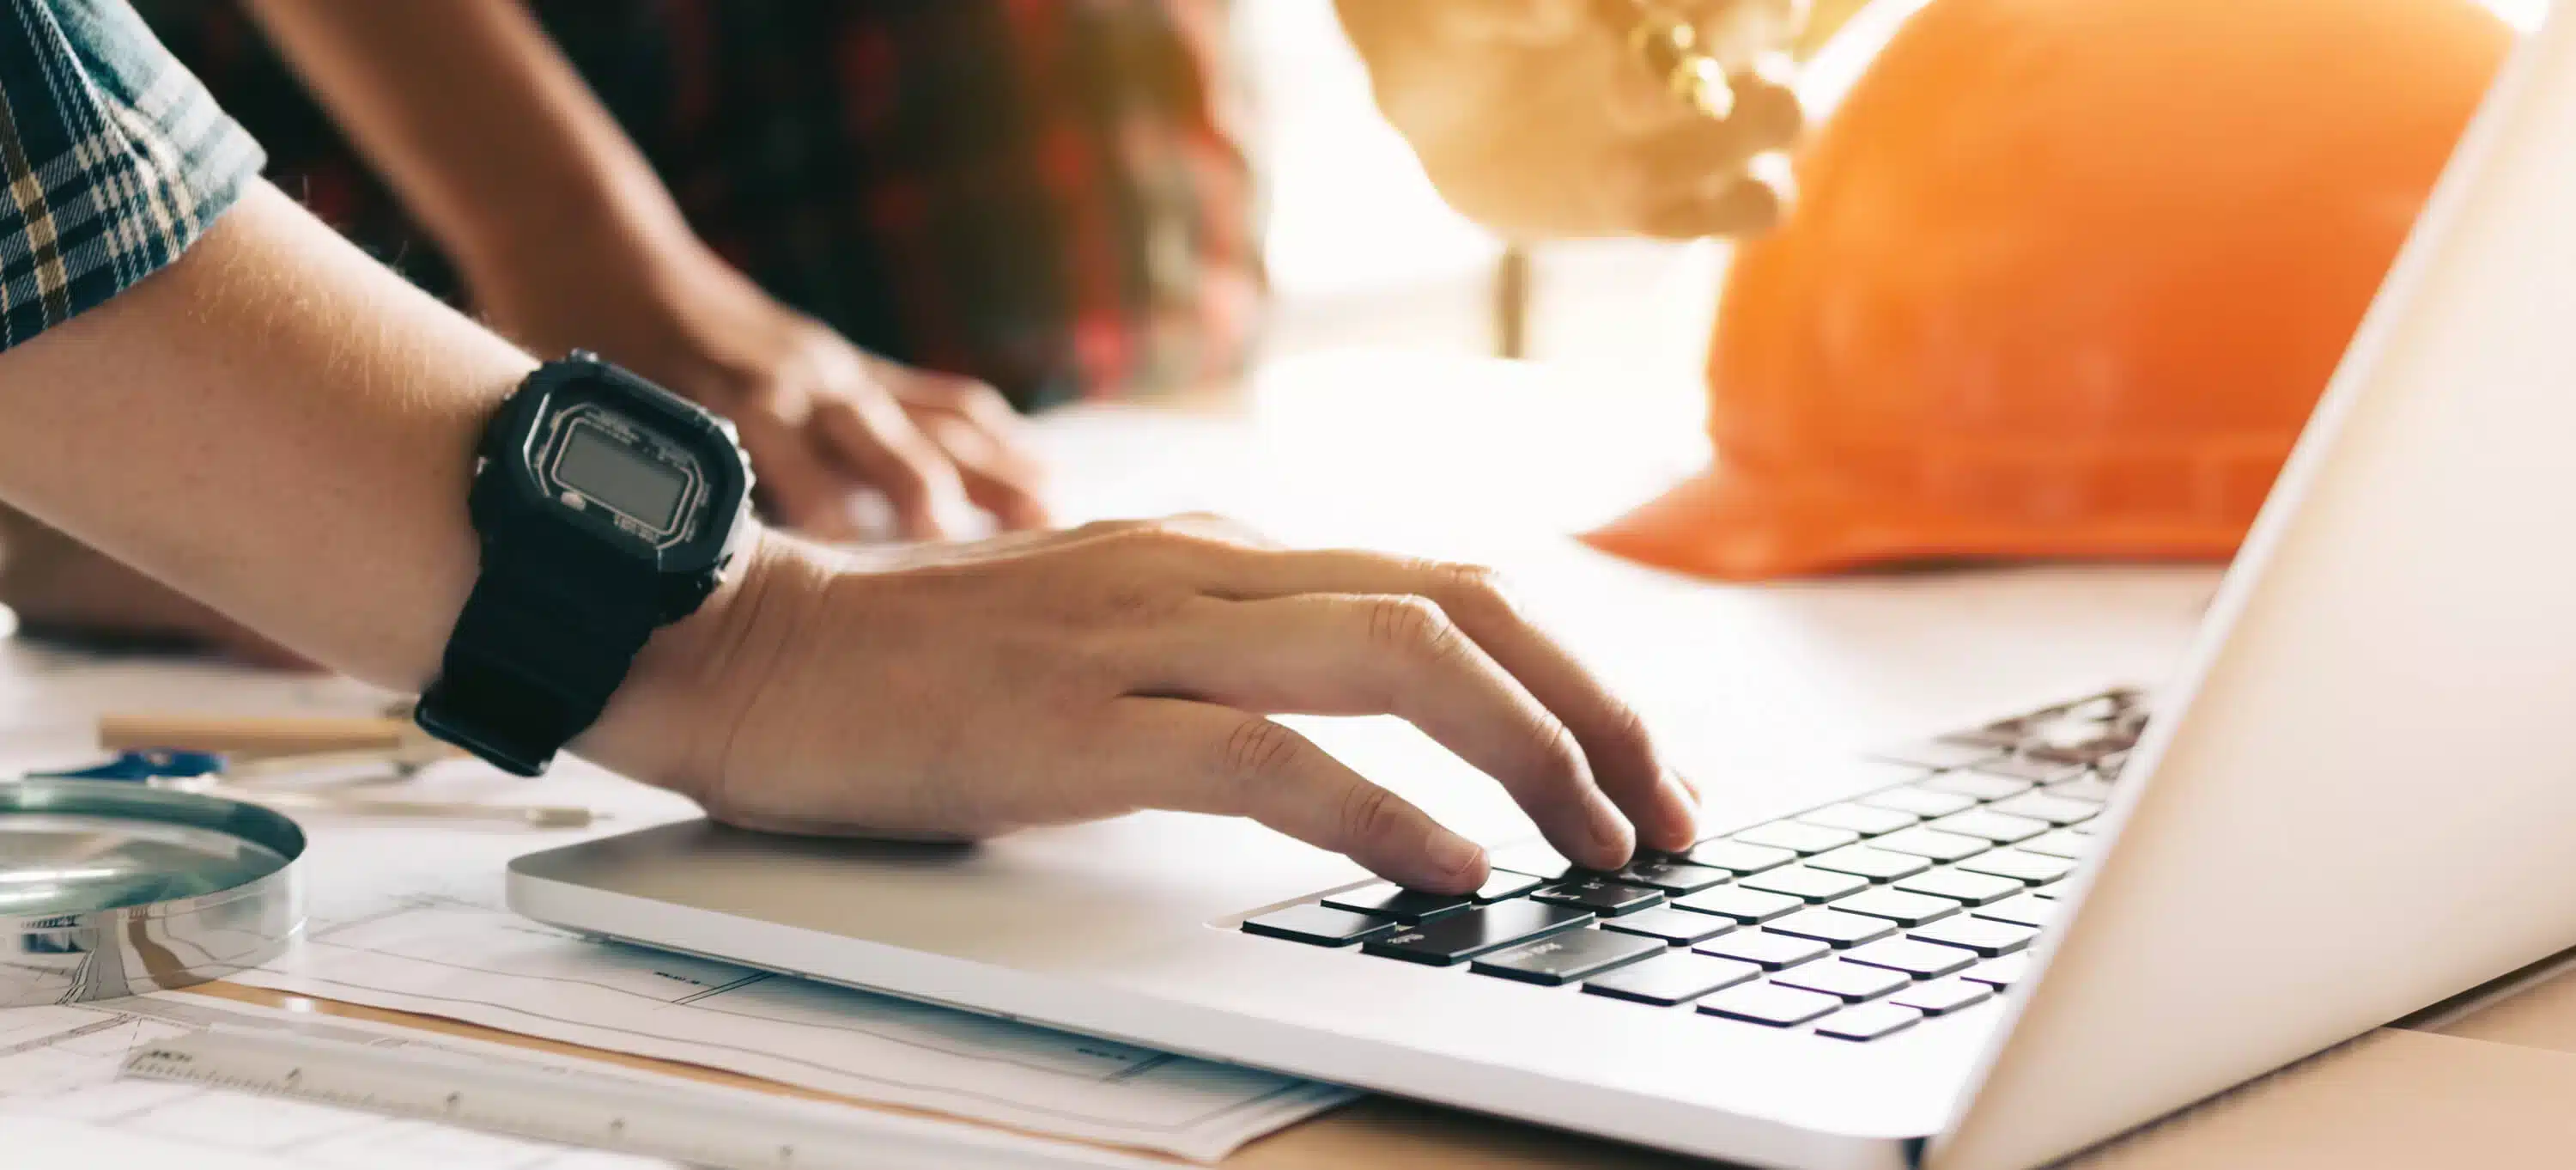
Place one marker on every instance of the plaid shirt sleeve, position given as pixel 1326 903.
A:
pixel 115 159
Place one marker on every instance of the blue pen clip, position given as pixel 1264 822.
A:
pixel 143 767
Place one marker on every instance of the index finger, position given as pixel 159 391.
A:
pixel 1614 740
pixel 996 482
pixel 877 441
pixel 1324 654
pixel 977 402
pixel 1198 757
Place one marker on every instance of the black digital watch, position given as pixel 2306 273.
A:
pixel 609 508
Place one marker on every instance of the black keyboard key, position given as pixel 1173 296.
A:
pixel 1869 1021
pixel 1738 858
pixel 1897 906
pixel 1922 802
pixel 1797 838
pixel 1388 900
pixel 1866 820
pixel 1567 956
pixel 1814 885
pixel 1936 754
pixel 1976 785
pixel 1985 936
pixel 2044 805
pixel 1598 894
pixel 1993 826
pixel 1679 977
pixel 1503 883
pixel 1741 904
pixel 1922 960
pixel 1975 889
pixel 1534 858
pixel 1932 843
pixel 1943 996
pixel 1320 925
pixel 2026 910
pixel 1769 1003
pixel 1878 865
pixel 1763 948
pixel 1851 981
pixel 1827 925
pixel 2062 843
pixel 2021 865
pixel 1676 927
pixel 1672 875
pixel 2000 973
pixel 1459 937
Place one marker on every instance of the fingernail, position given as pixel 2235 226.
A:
pixel 1611 831
pixel 1682 803
pixel 1455 856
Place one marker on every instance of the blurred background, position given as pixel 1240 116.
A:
pixel 1050 198
pixel 1362 251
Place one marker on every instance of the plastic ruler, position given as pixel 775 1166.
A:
pixel 663 1117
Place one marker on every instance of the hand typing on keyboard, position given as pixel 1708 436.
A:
pixel 1854 921
pixel 970 689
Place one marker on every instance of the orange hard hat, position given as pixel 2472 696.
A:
pixel 2064 280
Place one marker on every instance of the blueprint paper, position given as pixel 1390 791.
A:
pixel 408 915
pixel 484 965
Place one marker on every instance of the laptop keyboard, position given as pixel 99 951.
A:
pixel 1854 921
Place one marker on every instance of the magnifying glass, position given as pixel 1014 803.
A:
pixel 110 889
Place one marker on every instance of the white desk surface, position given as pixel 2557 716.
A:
pixel 1746 685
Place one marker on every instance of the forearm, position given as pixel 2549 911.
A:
pixel 276 425
pixel 480 125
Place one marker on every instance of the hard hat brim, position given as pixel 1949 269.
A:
pixel 1730 528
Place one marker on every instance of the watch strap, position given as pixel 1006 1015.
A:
pixel 535 655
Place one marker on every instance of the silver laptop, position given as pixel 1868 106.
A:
pixel 2016 941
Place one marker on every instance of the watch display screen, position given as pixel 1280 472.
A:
pixel 614 474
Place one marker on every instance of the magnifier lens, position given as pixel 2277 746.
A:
pixel 110 888
pixel 72 864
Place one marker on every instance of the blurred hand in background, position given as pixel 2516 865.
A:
pixel 825 421
pixel 1540 118
pixel 566 236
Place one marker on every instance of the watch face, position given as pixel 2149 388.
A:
pixel 585 453
pixel 614 469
